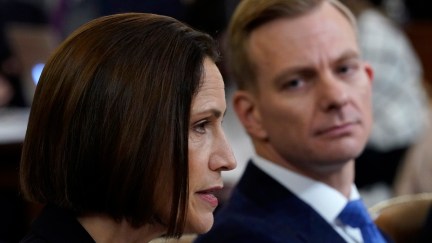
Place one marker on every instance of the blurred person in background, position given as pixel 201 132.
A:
pixel 400 102
pixel 11 91
pixel 13 115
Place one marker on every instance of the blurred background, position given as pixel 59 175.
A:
pixel 31 29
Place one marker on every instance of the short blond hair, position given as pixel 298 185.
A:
pixel 248 16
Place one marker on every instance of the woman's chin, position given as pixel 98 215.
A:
pixel 199 226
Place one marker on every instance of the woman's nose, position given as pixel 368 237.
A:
pixel 223 158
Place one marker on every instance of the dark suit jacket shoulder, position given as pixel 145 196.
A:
pixel 262 210
pixel 57 225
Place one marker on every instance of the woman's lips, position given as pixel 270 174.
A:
pixel 209 197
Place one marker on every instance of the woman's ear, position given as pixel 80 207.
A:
pixel 249 114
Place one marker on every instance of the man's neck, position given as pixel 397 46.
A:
pixel 339 176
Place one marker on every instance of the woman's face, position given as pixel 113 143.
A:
pixel 209 152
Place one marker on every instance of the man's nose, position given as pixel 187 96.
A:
pixel 332 93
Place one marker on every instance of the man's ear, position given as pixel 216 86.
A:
pixel 249 114
pixel 369 71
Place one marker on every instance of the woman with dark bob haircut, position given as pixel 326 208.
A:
pixel 124 141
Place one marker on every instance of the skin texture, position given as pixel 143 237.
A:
pixel 311 112
pixel 209 154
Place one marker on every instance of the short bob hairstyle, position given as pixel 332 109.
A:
pixel 108 127
pixel 251 14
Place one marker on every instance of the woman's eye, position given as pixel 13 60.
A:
pixel 201 127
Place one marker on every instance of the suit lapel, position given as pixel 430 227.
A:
pixel 288 213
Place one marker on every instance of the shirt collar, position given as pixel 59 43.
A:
pixel 324 199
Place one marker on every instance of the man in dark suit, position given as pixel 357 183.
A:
pixel 304 97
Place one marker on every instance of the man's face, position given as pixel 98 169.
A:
pixel 313 104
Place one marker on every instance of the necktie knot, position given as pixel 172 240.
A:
pixel 356 215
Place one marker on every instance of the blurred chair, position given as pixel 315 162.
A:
pixel 414 174
pixel 403 218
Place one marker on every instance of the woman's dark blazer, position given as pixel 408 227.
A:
pixel 57 225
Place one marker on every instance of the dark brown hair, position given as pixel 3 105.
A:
pixel 251 14
pixel 108 127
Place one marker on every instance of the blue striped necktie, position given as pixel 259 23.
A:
pixel 355 215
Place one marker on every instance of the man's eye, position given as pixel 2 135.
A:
pixel 344 69
pixel 293 84
pixel 347 69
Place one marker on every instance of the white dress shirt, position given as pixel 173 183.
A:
pixel 325 200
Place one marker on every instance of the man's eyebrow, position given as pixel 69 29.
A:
pixel 349 54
